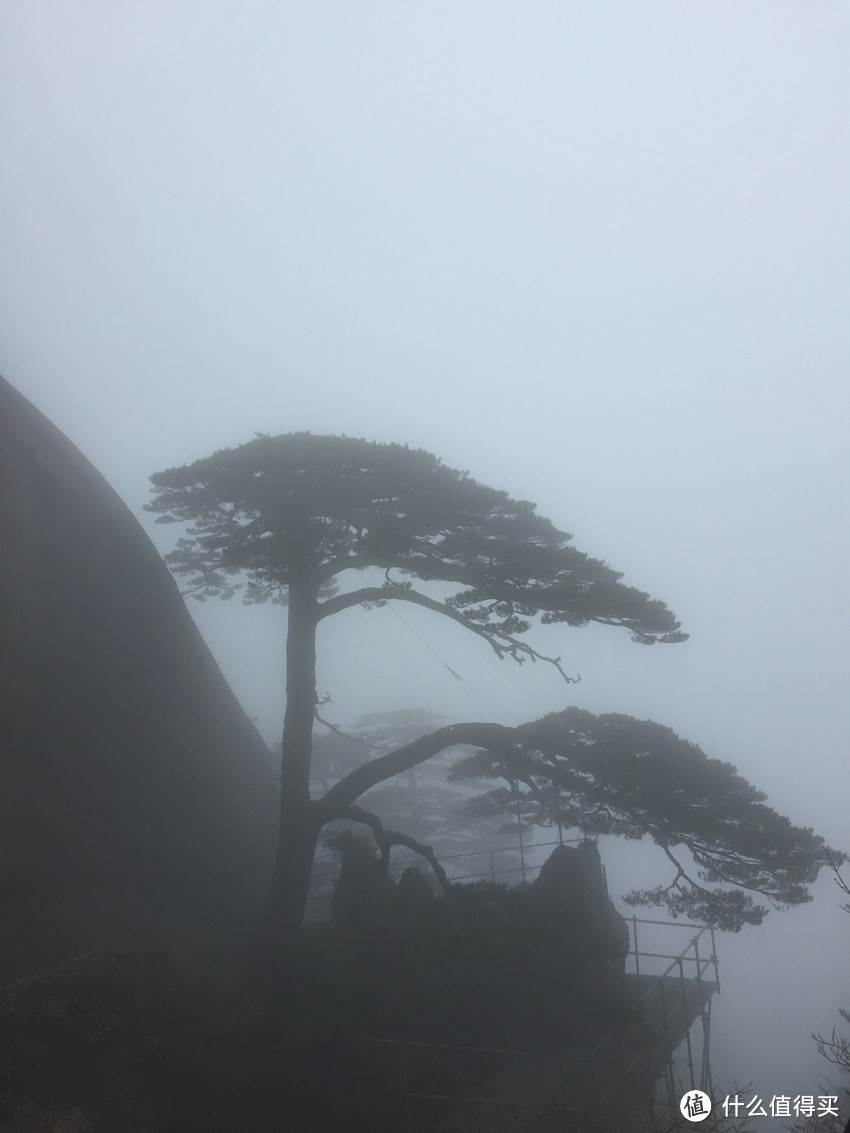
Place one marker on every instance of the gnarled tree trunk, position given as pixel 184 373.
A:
pixel 299 821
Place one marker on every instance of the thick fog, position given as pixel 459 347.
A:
pixel 595 254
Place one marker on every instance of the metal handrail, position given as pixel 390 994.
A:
pixel 610 1040
pixel 658 982
pixel 493 873
pixel 523 870
pixel 702 965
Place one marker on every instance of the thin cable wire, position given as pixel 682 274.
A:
pixel 469 690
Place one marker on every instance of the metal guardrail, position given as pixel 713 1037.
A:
pixel 55 969
pixel 688 967
pixel 702 964
pixel 318 904
pixel 672 988
pixel 612 1077
pixel 491 873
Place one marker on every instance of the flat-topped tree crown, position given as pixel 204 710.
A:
pixel 280 508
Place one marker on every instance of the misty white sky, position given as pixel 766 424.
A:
pixel 596 254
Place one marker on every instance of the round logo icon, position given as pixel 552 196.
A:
pixel 695 1105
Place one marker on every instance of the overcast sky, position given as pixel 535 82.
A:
pixel 595 253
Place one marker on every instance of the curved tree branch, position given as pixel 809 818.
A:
pixel 384 593
pixel 388 838
pixel 349 789
pixel 502 644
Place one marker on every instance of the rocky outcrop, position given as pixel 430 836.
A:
pixel 125 759
pixel 571 886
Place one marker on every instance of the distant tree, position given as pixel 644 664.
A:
pixel 296 516
pixel 337 751
pixel 835 1049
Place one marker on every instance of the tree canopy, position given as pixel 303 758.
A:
pixel 614 774
pixel 278 507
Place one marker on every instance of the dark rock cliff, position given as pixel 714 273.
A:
pixel 125 759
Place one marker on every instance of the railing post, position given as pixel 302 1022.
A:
pixel 695 943
pixel 686 1021
pixel 714 958
pixel 706 1083
pixel 637 957
pixel 406 1090
pixel 492 866
pixel 667 1046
